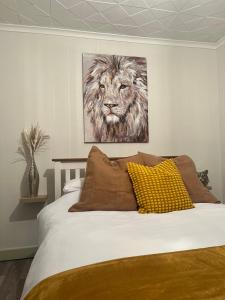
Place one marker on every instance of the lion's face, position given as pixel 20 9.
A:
pixel 116 93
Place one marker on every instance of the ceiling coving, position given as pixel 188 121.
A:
pixel 191 20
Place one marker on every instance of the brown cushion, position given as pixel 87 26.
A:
pixel 186 166
pixel 107 185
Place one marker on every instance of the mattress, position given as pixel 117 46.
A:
pixel 70 240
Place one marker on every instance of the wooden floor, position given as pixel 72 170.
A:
pixel 12 277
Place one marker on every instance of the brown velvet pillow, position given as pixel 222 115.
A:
pixel 107 185
pixel 197 191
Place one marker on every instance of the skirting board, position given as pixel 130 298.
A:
pixel 17 253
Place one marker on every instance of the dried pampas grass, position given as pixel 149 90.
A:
pixel 32 141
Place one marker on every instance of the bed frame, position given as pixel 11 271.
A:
pixel 69 166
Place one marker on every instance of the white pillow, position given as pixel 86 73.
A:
pixel 73 185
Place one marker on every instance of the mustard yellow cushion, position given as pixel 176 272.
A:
pixel 159 189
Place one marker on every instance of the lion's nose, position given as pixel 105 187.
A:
pixel 110 105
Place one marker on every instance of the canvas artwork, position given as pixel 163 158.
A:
pixel 115 99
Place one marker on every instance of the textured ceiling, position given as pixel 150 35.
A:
pixel 192 20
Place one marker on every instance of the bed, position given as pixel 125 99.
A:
pixel 69 241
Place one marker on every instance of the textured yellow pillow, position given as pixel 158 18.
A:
pixel 159 189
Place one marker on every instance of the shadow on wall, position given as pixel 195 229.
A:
pixel 29 211
pixel 50 177
pixel 25 212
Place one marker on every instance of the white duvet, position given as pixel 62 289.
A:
pixel 70 240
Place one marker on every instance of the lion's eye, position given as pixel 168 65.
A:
pixel 123 86
pixel 101 86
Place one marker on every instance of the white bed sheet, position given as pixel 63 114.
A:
pixel 70 240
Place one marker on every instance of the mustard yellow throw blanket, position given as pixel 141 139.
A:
pixel 193 274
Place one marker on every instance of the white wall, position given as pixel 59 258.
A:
pixel 221 83
pixel 41 80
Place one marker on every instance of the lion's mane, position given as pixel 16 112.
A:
pixel 115 99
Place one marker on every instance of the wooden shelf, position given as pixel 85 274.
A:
pixel 37 199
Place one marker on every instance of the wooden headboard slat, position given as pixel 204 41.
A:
pixel 82 159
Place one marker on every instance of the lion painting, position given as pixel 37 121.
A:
pixel 115 99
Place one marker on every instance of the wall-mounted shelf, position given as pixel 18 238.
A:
pixel 36 199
